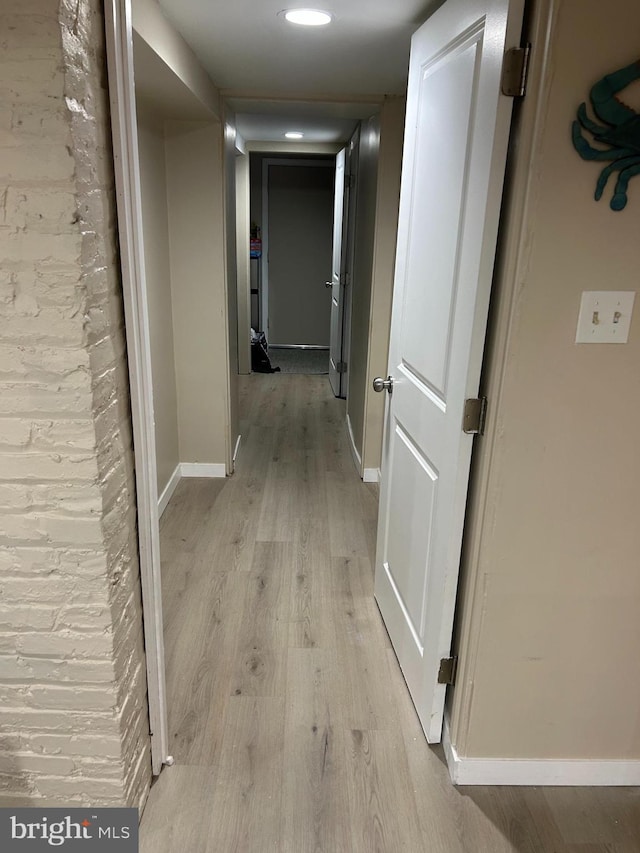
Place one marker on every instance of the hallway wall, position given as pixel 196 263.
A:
pixel 189 324
pixel 155 216
pixel 548 623
pixel 150 22
pixel 194 153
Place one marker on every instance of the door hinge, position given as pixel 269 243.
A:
pixel 347 279
pixel 341 366
pixel 447 671
pixel 474 415
pixel 515 69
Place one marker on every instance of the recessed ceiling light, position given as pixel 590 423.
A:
pixel 308 17
pixel 294 134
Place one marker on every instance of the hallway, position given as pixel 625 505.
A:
pixel 290 724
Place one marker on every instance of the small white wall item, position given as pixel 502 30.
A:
pixel 371 475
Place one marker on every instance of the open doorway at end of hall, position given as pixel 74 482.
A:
pixel 291 213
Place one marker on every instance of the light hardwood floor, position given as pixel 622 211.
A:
pixel 290 723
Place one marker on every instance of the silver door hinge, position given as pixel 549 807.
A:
pixel 341 366
pixel 447 671
pixel 515 69
pixel 474 415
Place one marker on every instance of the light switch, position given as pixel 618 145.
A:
pixel 605 317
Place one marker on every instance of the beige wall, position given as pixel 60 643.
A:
pixel 549 620
pixel 197 247
pixel 73 711
pixel 153 186
pixel 186 260
pixel 151 24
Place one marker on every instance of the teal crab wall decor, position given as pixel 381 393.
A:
pixel 620 131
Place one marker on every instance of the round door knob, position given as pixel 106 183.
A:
pixel 380 384
pixel 328 284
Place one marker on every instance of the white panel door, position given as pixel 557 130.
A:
pixel 456 137
pixel 337 302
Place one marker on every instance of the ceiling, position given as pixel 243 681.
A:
pixel 334 75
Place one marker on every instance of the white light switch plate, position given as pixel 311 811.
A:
pixel 605 317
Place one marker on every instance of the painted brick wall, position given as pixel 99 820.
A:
pixel 73 714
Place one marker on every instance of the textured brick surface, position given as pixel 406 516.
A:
pixel 73 714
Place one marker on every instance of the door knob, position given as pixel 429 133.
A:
pixel 380 384
pixel 328 284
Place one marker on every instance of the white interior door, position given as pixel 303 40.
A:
pixel 337 302
pixel 456 138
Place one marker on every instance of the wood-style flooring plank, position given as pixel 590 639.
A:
pixel 182 521
pixel 260 662
pixel 201 651
pixel 250 777
pixel 382 805
pixel 181 811
pixel 596 815
pixel 346 529
pixel 315 807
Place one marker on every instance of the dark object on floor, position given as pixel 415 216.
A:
pixel 260 362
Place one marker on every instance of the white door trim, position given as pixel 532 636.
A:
pixel 264 284
pixel 349 216
pixel 119 42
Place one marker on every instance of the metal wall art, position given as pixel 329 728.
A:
pixel 620 131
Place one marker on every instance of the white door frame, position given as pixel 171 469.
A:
pixel 266 164
pixel 349 219
pixel 119 41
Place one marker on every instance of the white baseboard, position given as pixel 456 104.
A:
pixel 371 475
pixel 525 771
pixel 203 469
pixel 354 450
pixel 167 492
